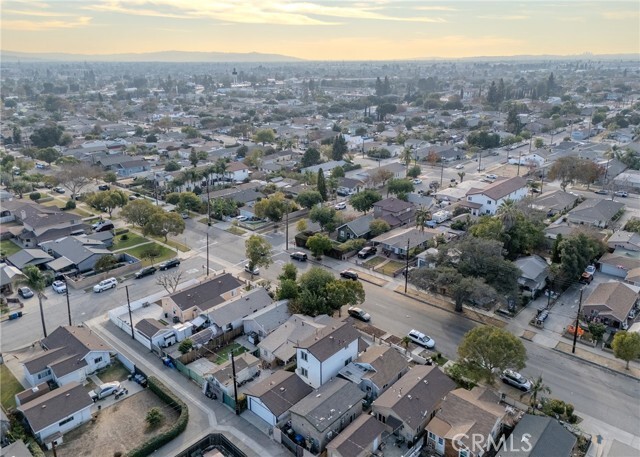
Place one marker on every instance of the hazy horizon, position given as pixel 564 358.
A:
pixel 323 29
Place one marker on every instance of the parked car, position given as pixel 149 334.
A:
pixel 59 286
pixel 184 215
pixel 515 379
pixel 104 187
pixel 551 293
pixel 300 256
pixel 602 192
pixel 341 205
pixel 104 390
pixel 241 218
pixel 367 251
pixel 359 313
pixel 132 197
pixel 25 292
pixel 421 339
pixel 255 272
pixel 169 264
pixel 591 269
pixel 349 274
pixel 459 166
pixel 586 278
pixel 492 176
pixel 621 193
pixel 148 271
pixel 102 226
pixel 59 190
pixel 417 181
pixel 107 284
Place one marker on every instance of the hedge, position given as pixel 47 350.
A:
pixel 155 443
pixel 121 231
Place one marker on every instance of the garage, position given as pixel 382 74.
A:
pixel 256 406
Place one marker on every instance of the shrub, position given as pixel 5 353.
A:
pixel 70 205
pixel 35 196
pixel 124 237
pixel 185 346
pixel 154 417
pixel 121 231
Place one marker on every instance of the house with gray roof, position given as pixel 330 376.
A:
pixel 397 239
pixel 230 314
pixel 151 332
pixel 356 228
pixel 198 299
pixel 595 212
pixel 267 319
pixel 541 436
pixel 611 302
pixel 28 257
pixel 272 398
pixel 409 404
pixel 71 354
pixel 394 211
pixel 9 277
pixel 554 202
pixel 51 415
pixel 324 353
pixel 625 240
pixel 219 378
pixel 534 272
pixel 325 412
pixel 362 438
pixel 326 167
pixel 81 252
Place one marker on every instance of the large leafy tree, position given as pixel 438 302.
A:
pixel 626 346
pixel 272 208
pixel 311 157
pixel 378 227
pixel 48 155
pixel 319 292
pixel 576 252
pixel 309 198
pixel 258 251
pixel 189 201
pixel 76 177
pixel 264 136
pixel 321 185
pixel 486 351
pixel 364 201
pixel 164 224
pixel 318 244
pixel 339 148
pixel 107 200
pixel 139 212
pixel 35 280
pixel 399 186
pixel 327 217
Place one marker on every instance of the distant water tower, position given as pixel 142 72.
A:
pixel 235 76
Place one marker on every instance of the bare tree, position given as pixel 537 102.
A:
pixel 169 281
pixel 75 177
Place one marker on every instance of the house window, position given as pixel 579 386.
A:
pixel 303 356
pixel 488 202
pixel 65 421
pixel 382 418
pixel 432 436
pixel 98 360
pixel 304 372
pixel 44 374
pixel 348 361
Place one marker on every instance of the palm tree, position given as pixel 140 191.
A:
pixel 508 214
pixel 423 215
pixel 34 280
pixel 405 342
pixel 537 387
pixel 406 157
pixel 462 175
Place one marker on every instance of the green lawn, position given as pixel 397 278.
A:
pixel 133 239
pixel 391 267
pixel 115 372
pixel 8 247
pixel 9 386
pixel 223 354
pixel 236 231
pixel 374 261
pixel 165 253
pixel 174 244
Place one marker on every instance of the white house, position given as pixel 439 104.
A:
pixel 152 332
pixel 491 197
pixel 57 411
pixel 322 355
pixel 532 159
pixel 71 354
pixel 272 398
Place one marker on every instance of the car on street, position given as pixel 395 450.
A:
pixel 621 193
pixel 59 190
pixel 417 181
pixel 602 192
pixel 59 286
pixel 169 264
pixel 299 256
pixel 103 226
pixel 421 339
pixel 104 390
pixel 515 379
pixel 241 218
pixel 147 271
pixel 25 292
pixel 492 176
pixel 367 251
pixel 104 187
pixel 359 313
pixel 586 278
pixel 341 205
pixel 591 269
pixel 106 284
pixel 349 274
pixel 255 272
pixel 459 166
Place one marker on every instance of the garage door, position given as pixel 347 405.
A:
pixel 257 408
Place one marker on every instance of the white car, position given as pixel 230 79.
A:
pixel 341 205
pixel 105 285
pixel 59 286
pixel 255 272
pixel 515 379
pixel 591 269
pixel 104 390
pixel 417 181
pixel 421 339
pixel 492 176
pixel 241 218
pixel 459 166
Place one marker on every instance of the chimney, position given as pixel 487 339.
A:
pixel 23 214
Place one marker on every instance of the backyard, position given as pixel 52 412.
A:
pixel 223 354
pixel 8 247
pixel 114 372
pixel 9 386
pixel 118 428
pixel 144 251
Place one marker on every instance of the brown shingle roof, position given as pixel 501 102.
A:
pixel 501 189
pixel 614 298
pixel 359 435
pixel 207 294
pixel 329 340
pixel 280 391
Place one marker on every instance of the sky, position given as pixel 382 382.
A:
pixel 323 29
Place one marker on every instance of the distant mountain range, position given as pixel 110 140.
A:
pixel 188 56
pixel 163 56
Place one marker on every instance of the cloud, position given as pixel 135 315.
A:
pixel 34 13
pixel 37 26
pixel 621 15
pixel 258 11
pixel 505 17
pixel 435 8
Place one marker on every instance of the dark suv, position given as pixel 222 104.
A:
pixel 148 271
pixel 367 251
pixel 349 274
pixel 299 256
pixel 169 264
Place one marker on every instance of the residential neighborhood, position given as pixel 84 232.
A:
pixel 300 258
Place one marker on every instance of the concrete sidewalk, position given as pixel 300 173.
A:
pixel 612 364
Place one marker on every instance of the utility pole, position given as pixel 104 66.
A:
pixel 286 228
pixel 480 160
pixel 66 289
pixel 235 384
pixel 406 269
pixel 441 172
pixel 541 180
pixel 519 160
pixel 207 252
pixel 126 288
pixel 155 190
pixel 575 330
